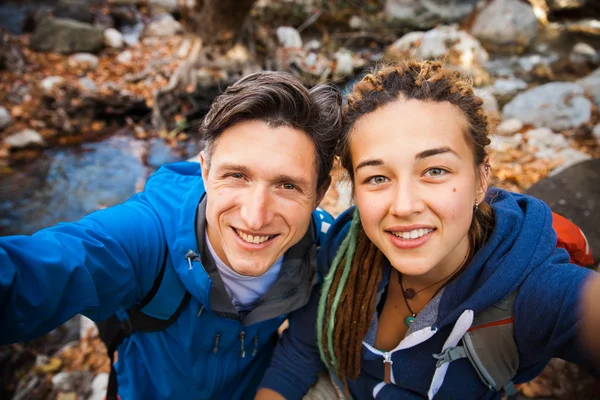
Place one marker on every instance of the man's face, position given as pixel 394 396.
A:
pixel 261 185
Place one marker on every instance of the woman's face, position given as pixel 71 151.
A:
pixel 415 184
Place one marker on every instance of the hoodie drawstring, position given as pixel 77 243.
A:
pixel 255 346
pixel 243 352
pixel 200 312
pixel 191 255
pixel 461 327
pixel 217 338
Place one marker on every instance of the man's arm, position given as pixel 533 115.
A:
pixel 296 362
pixel 89 267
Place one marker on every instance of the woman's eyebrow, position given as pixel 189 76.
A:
pixel 369 163
pixel 436 151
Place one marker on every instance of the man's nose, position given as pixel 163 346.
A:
pixel 256 210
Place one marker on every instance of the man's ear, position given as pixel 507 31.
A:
pixel 484 178
pixel 322 190
pixel 204 166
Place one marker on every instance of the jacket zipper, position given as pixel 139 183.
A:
pixel 387 367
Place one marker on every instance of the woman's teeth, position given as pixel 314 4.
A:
pixel 252 239
pixel 414 234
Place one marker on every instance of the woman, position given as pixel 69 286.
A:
pixel 429 250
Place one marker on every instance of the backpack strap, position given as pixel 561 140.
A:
pixel 490 346
pixel 161 306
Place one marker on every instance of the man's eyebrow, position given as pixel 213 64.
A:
pixel 297 180
pixel 436 151
pixel 369 163
pixel 233 167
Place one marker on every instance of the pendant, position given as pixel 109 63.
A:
pixel 409 293
pixel 409 320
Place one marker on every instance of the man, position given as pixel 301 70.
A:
pixel 220 252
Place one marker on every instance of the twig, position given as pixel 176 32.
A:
pixel 311 20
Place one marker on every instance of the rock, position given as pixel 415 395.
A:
pixel 158 6
pixel 575 194
pixel 504 143
pixel 426 14
pixel 357 23
pixel 163 26
pixel 131 34
pixel 88 85
pixel 344 64
pixel 48 84
pixel 589 27
pixel 72 385
pixel 546 142
pixel 84 61
pixel 591 85
pixel 87 327
pixel 490 103
pixel 507 26
pixel 125 57
pixel 25 138
pixel 313 45
pixel 583 53
pixel 461 49
pixel 5 118
pixel 508 87
pixel 125 16
pixel 66 36
pixel 113 38
pixel 596 132
pixel 78 10
pixel 289 38
pixel 99 386
pixel 555 105
pixel 509 126
pixel 568 158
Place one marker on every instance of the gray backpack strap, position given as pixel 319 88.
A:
pixel 490 345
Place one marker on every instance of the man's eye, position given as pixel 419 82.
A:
pixel 289 186
pixel 435 172
pixel 236 176
pixel 378 180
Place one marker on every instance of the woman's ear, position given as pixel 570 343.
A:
pixel 484 178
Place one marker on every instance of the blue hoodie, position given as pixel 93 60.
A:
pixel 108 262
pixel 520 254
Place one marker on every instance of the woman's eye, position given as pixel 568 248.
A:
pixel 435 172
pixel 378 180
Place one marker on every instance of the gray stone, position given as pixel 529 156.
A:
pixel 125 57
pixel 86 61
pixel 583 53
pixel 490 103
pixel 163 26
pixel 555 105
pixel 164 5
pixel 25 138
pixel 66 36
pixel 506 26
pixel 591 85
pixel 49 83
pixel 78 10
pixel 596 132
pixel 344 65
pixel 575 194
pixel 506 87
pixel 426 14
pixel 113 38
pixel 99 386
pixel 509 126
pixel 5 118
pixel 288 37
pixel 87 85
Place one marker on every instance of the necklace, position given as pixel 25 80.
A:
pixel 409 293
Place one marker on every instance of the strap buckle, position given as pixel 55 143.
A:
pixel 449 354
pixel 127 326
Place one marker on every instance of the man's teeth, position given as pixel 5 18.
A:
pixel 414 234
pixel 252 239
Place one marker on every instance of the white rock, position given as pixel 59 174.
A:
pixel 163 26
pixel 60 378
pixel 583 52
pixel 591 85
pixel 49 83
pixel 313 45
pixel 596 132
pixel 436 43
pixel 344 65
pixel 490 103
pixel 87 327
pixel 289 37
pixel 357 23
pixel 509 126
pixel 546 141
pixel 503 86
pixel 113 38
pixel 555 105
pixel 87 84
pixel 25 138
pixel 99 385
pixel 504 23
pixel 125 57
pixel 5 118
pixel 166 5
pixel 503 143
pixel 84 60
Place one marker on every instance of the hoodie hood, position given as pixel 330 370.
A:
pixel 522 239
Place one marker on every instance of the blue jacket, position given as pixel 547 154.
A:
pixel 108 262
pixel 521 253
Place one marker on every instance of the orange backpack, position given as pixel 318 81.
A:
pixel 572 239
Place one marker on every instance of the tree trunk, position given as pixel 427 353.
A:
pixel 220 21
